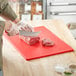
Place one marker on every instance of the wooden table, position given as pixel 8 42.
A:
pixel 15 65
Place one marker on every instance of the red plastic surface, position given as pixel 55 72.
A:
pixel 38 51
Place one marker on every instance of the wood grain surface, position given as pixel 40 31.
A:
pixel 15 65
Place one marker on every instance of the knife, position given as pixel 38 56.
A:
pixel 32 34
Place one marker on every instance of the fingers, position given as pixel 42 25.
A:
pixel 29 28
pixel 26 28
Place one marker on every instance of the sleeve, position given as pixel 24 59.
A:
pixel 6 11
pixel 2 25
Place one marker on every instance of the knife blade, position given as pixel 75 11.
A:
pixel 24 33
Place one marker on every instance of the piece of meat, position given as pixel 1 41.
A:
pixel 31 40
pixel 47 42
pixel 34 40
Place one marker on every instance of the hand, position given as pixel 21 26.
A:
pixel 8 25
pixel 11 28
pixel 25 26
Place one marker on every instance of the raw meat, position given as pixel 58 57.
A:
pixel 47 42
pixel 28 39
pixel 31 40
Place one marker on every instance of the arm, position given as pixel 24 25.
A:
pixel 7 12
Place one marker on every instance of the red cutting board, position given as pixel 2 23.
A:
pixel 38 51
